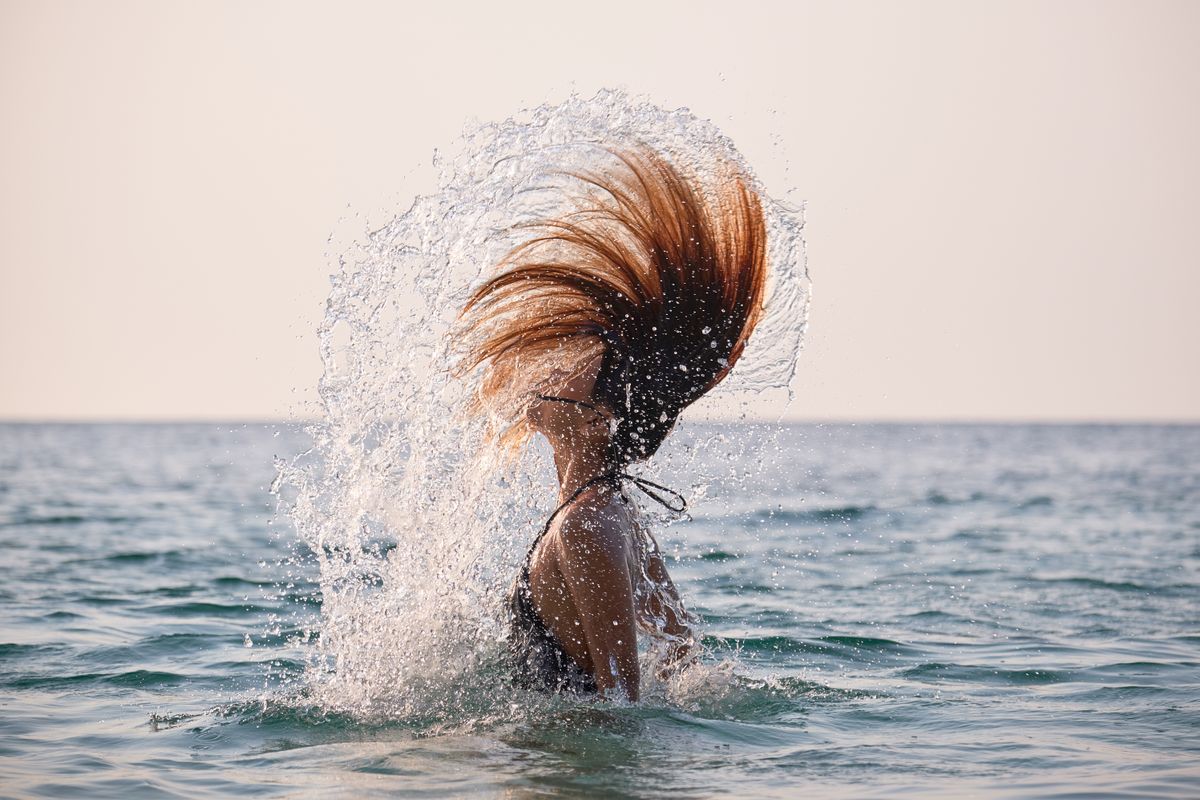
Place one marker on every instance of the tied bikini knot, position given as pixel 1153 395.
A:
pixel 649 487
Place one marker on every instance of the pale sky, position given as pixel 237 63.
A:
pixel 1003 199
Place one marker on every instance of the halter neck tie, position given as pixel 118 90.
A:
pixel 648 488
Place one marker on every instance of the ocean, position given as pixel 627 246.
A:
pixel 949 610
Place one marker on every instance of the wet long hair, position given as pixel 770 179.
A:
pixel 660 274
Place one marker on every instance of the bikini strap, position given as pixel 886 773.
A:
pixel 608 476
pixel 647 487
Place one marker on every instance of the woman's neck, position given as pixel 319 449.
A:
pixel 577 466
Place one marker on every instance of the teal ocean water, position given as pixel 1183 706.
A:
pixel 930 610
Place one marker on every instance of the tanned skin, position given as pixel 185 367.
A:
pixel 585 571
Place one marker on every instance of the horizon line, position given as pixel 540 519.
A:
pixel 808 421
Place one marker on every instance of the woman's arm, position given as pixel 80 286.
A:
pixel 665 605
pixel 595 566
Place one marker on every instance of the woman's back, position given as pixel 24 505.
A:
pixel 591 580
pixel 579 584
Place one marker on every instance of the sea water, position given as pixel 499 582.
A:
pixel 934 610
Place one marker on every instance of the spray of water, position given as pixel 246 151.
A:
pixel 415 527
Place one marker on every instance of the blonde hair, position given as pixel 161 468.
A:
pixel 663 276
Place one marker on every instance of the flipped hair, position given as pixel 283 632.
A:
pixel 666 280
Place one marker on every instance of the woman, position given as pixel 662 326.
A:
pixel 597 333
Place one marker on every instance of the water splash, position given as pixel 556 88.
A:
pixel 415 528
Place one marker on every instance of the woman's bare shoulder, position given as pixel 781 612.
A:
pixel 598 521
